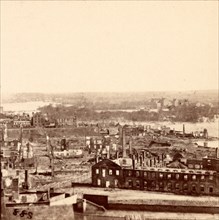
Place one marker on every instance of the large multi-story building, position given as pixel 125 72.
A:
pixel 108 173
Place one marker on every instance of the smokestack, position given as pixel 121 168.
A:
pixel 123 143
pixel 137 157
pixel 183 129
pixel 96 155
pixel 21 134
pixel 130 145
pixel 143 161
pixel 150 163
pixel 140 161
pixel 108 151
pixel 117 154
pixel 217 152
pixel 26 179
pixel 133 161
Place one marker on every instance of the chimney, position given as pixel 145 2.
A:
pixel 155 161
pixel 217 152
pixel 137 157
pixel 145 162
pixel 133 161
pixel 183 129
pixel 140 161
pixel 117 154
pixel 108 151
pixel 130 145
pixel 26 179
pixel 123 143
pixel 150 163
pixel 96 155
pixel 143 159
pixel 205 144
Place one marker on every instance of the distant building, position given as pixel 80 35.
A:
pixel 37 120
pixel 23 123
pixel 67 121
pixel 211 163
pixel 195 163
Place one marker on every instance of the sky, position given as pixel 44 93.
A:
pixel 108 46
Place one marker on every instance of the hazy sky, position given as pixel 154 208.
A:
pixel 57 46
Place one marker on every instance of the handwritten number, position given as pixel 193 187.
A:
pixel 16 211
pixel 30 214
pixel 23 213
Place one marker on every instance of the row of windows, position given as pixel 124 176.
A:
pixel 169 186
pixel 195 166
pixel 176 176
pixel 153 175
pixel 110 172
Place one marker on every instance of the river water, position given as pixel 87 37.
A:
pixel 212 127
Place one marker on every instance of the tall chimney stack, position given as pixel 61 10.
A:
pixel 143 159
pixel 123 143
pixel 150 163
pixel 217 152
pixel 133 161
pixel 130 145
pixel 108 151
pixel 26 180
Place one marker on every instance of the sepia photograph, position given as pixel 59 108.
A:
pixel 109 109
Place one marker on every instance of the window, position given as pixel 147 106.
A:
pixel 193 188
pixel 210 189
pixel 202 188
pixel 211 177
pixel 161 175
pixel 137 183
pixel 169 176
pixel 145 174
pixel 116 183
pixel 110 172
pixel 137 173
pixel 153 184
pixel 197 166
pixel 145 184
pixel 169 186
pixel 129 173
pixel 161 185
pixel 185 177
pixel 177 176
pixel 130 183
pixel 98 182
pixel 97 171
pixel 185 187
pixel 190 166
pixel 193 177
pixel 117 172
pixel 153 175
pixel 103 172
pixel 177 186
pixel 202 177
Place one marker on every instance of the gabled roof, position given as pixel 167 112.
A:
pixel 177 164
pixel 106 162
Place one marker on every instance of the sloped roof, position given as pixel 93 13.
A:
pixel 106 162
pixel 177 164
